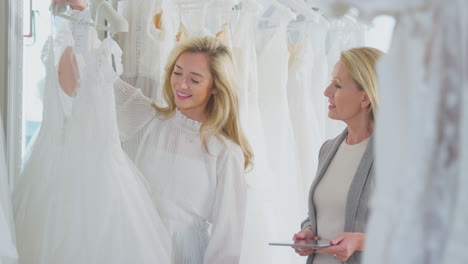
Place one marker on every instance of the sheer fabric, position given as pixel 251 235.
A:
pixel 320 79
pixel 147 44
pixel 8 254
pixel 289 197
pixel 370 8
pixel 427 64
pixel 259 223
pixel 80 199
pixel 305 95
pixel 202 19
pixel 201 196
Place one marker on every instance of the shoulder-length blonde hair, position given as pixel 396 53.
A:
pixel 223 108
pixel 360 63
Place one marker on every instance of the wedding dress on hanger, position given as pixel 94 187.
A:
pixel 302 91
pixel 200 19
pixel 368 9
pixel 146 46
pixel 8 254
pixel 79 198
pixel 289 198
pixel 320 79
pixel 259 223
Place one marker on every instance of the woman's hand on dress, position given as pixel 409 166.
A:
pixel 344 245
pixel 300 238
pixel 74 4
pixel 77 4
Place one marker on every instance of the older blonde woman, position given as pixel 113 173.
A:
pixel 339 195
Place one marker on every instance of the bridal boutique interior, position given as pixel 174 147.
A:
pixel 284 52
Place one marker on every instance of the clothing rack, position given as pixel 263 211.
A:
pixel 58 10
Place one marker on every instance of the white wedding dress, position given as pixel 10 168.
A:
pixel 145 46
pixel 305 95
pixel 80 200
pixel 259 222
pixel 289 198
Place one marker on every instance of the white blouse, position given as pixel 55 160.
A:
pixel 201 196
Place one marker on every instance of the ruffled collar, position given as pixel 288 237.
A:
pixel 185 122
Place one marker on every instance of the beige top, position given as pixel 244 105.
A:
pixel 332 191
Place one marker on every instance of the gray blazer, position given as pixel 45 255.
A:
pixel 359 193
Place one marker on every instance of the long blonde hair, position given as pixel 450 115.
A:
pixel 360 63
pixel 223 108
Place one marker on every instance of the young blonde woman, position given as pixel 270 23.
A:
pixel 192 151
pixel 339 195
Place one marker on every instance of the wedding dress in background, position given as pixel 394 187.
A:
pixel 289 198
pixel 147 44
pixel 305 94
pixel 259 221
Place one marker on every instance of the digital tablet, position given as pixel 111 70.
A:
pixel 303 243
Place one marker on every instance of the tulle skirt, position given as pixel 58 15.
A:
pixel 88 205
